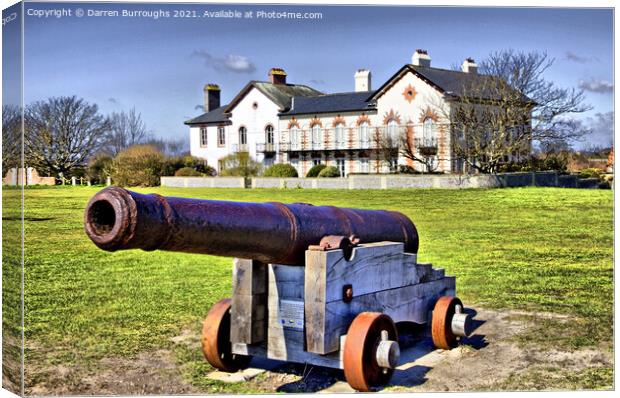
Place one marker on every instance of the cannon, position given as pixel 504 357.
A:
pixel 311 284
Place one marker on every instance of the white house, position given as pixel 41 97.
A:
pixel 249 123
pixel 280 122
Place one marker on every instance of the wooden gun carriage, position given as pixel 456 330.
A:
pixel 311 284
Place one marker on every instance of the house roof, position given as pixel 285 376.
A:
pixel 280 94
pixel 216 116
pixel 450 82
pixel 338 102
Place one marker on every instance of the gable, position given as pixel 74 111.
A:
pixel 397 77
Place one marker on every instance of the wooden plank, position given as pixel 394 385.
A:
pixel 249 302
pixel 249 276
pixel 291 352
pixel 248 314
pixel 286 288
pixel 409 303
pixel 373 267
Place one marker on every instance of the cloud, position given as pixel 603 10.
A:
pixel 602 129
pixel 114 101
pixel 597 86
pixel 317 81
pixel 228 63
pixel 571 56
pixel 199 107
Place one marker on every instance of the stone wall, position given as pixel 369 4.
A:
pixel 29 175
pixel 504 180
pixel 203 182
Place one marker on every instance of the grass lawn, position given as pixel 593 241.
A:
pixel 533 249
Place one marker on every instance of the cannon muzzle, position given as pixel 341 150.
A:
pixel 118 219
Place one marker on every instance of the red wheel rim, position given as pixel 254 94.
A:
pixel 441 327
pixel 360 364
pixel 216 345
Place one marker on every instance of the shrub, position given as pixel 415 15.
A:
pixel 99 168
pixel 171 165
pixel 174 163
pixel 239 164
pixel 329 172
pixel 315 170
pixel 138 165
pixel 590 173
pixel 280 170
pixel 187 172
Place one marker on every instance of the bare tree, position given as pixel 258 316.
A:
pixel 385 148
pixel 11 137
pixel 61 133
pixel 421 150
pixel 498 115
pixel 126 129
pixel 170 147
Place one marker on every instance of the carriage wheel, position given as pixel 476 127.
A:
pixel 361 368
pixel 216 345
pixel 441 327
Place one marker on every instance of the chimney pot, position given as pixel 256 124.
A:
pixel 363 80
pixel 421 58
pixel 469 66
pixel 277 76
pixel 212 96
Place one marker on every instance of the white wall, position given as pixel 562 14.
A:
pixel 244 114
pixel 426 96
pixel 212 152
pixel 254 120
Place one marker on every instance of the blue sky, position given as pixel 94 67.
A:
pixel 160 66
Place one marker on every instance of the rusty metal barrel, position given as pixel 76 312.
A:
pixel 119 219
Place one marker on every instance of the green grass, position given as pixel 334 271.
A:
pixel 534 249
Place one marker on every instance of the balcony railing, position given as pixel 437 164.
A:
pixel 239 147
pixel 266 147
pixel 426 146
pixel 375 138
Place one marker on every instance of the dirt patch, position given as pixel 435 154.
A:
pixel 148 373
pixel 486 360
pixel 490 359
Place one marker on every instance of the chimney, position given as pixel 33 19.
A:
pixel 469 66
pixel 277 76
pixel 421 58
pixel 362 80
pixel 212 97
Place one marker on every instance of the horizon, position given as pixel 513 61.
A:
pixel 160 65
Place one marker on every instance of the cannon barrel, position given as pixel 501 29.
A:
pixel 118 219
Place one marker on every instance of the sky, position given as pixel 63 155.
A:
pixel 159 66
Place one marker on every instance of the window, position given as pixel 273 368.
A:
pixel 243 136
pixel 203 137
pixel 243 140
pixel 364 165
pixel 428 129
pixel 316 137
pixel 340 141
pixel 364 134
pixel 393 130
pixel 340 164
pixel 316 161
pixel 295 141
pixel 221 136
pixel 269 134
